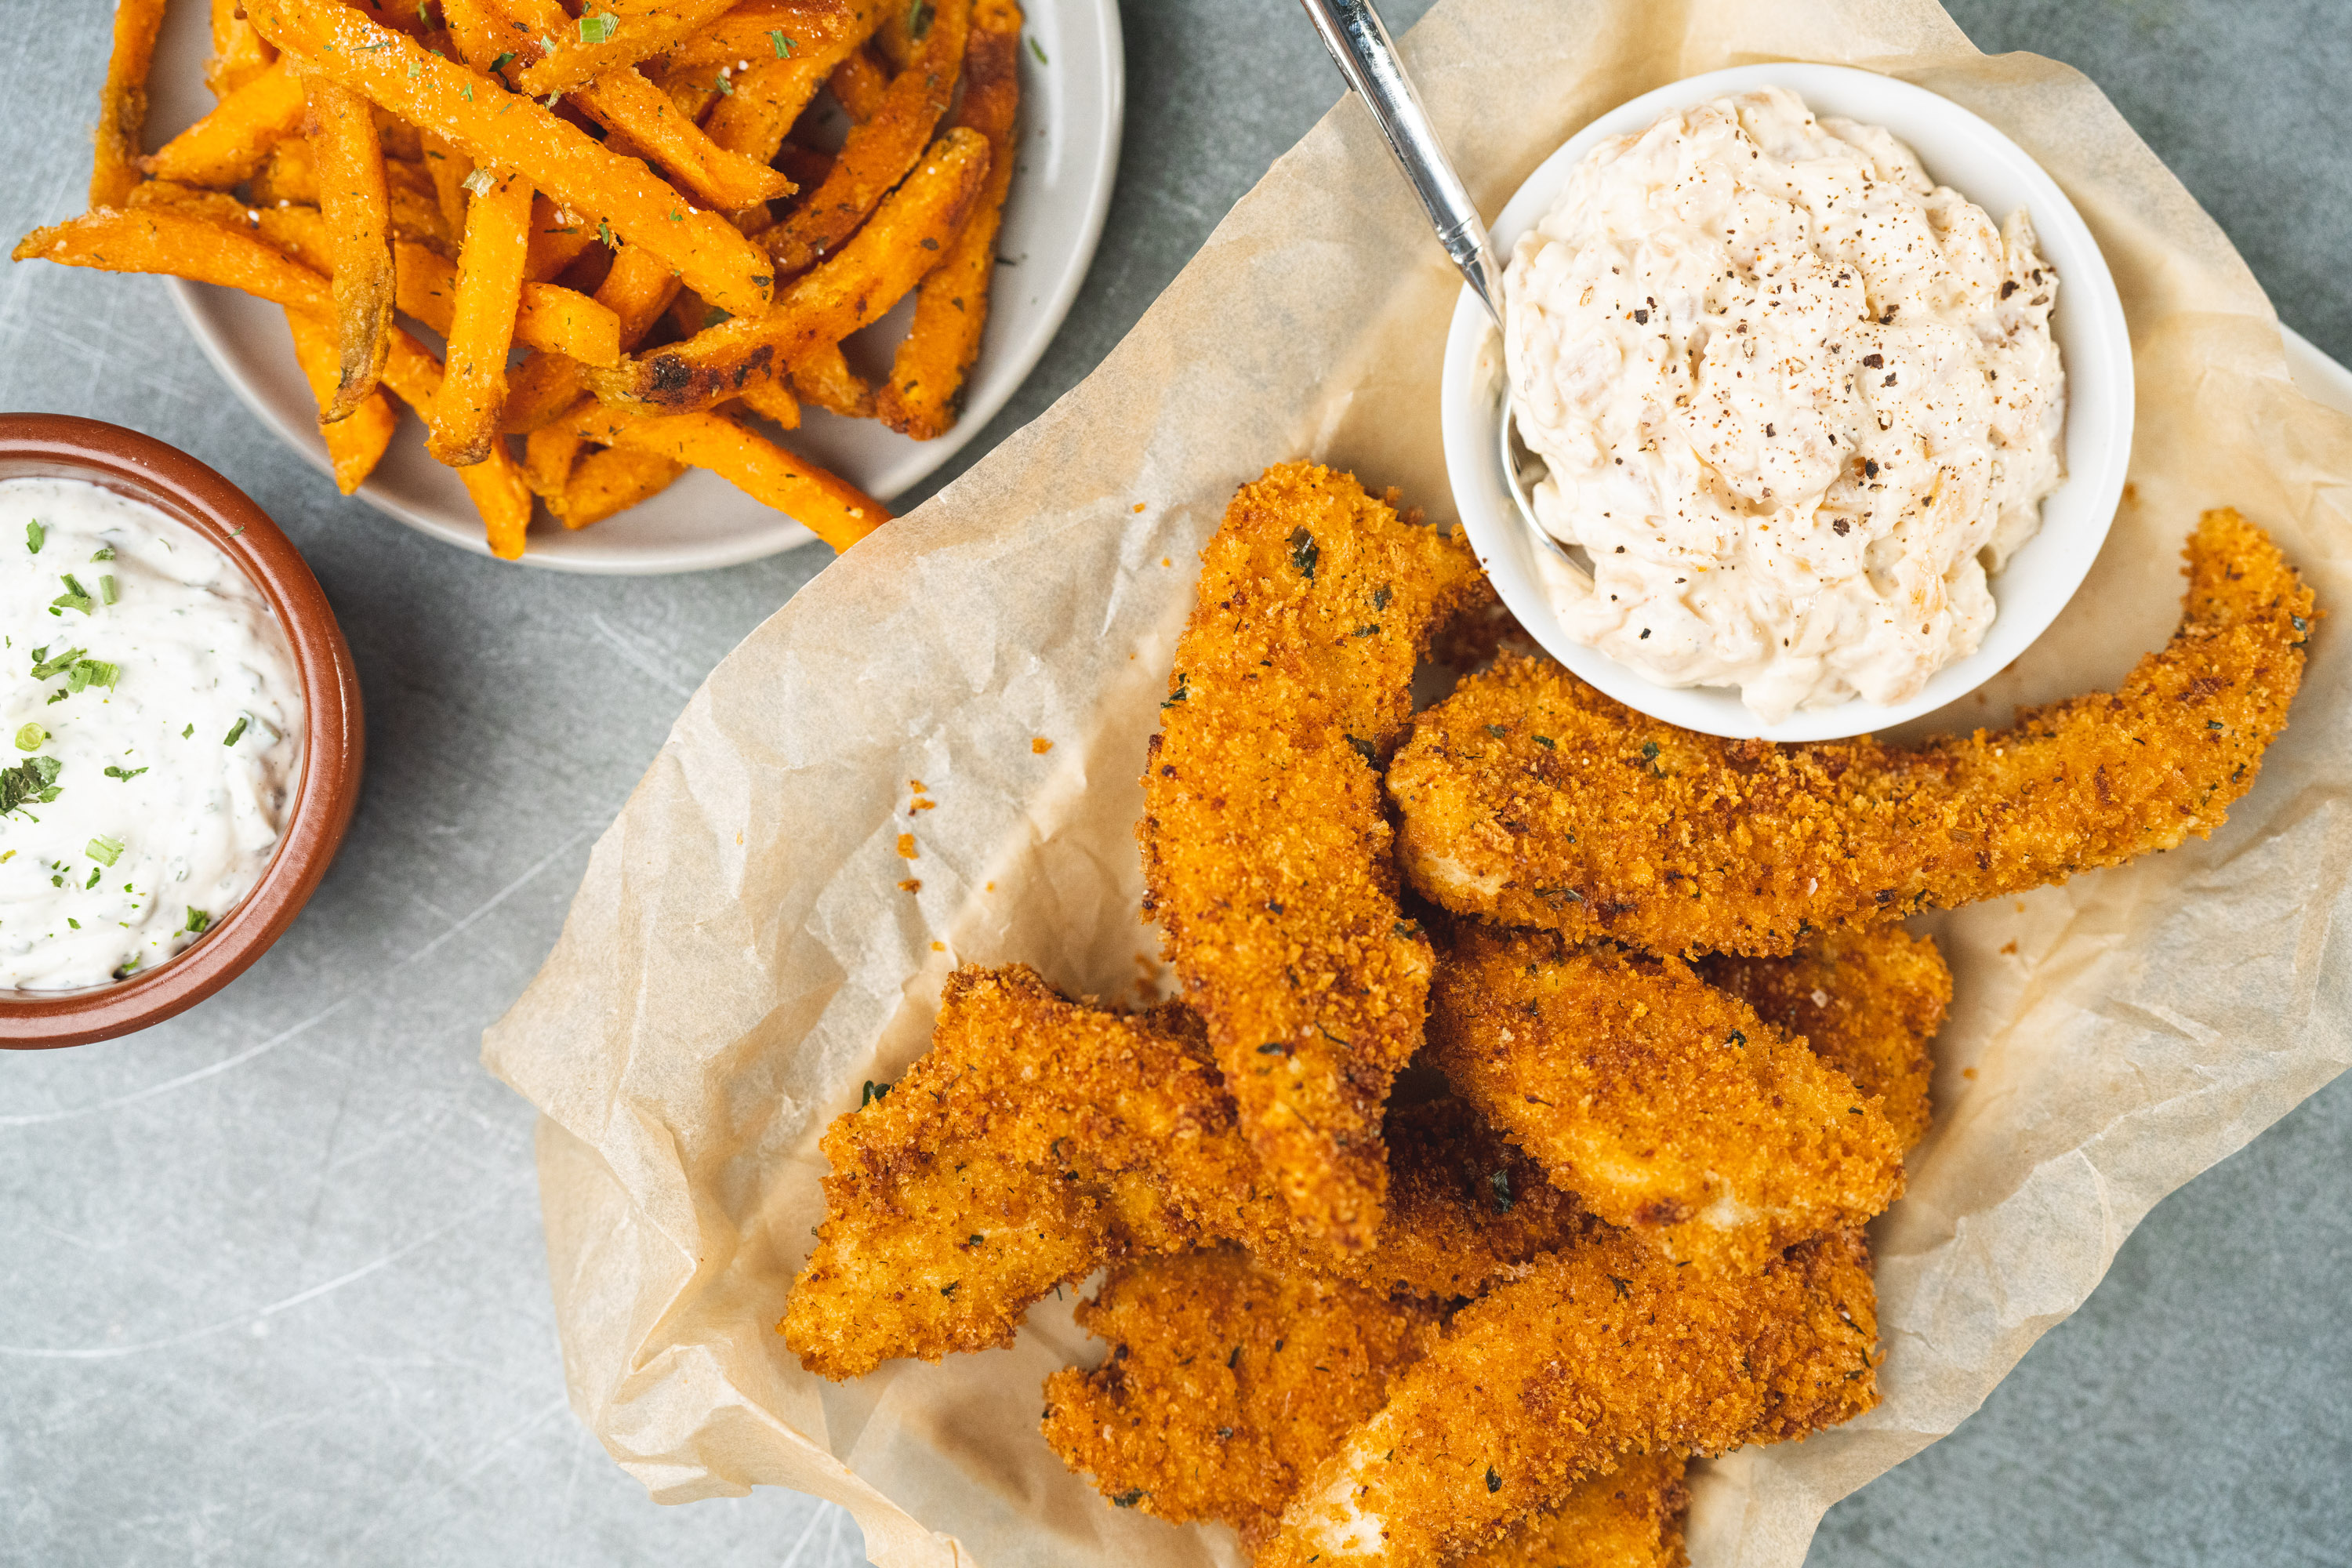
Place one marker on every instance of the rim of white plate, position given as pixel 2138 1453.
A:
pixel 1959 149
pixel 1072 115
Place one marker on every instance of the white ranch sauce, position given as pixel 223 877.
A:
pixel 121 871
pixel 1797 401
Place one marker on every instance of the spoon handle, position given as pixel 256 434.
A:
pixel 1367 56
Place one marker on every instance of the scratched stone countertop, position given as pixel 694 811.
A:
pixel 272 1287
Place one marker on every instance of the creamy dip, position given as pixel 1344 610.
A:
pixel 1796 401
pixel 150 735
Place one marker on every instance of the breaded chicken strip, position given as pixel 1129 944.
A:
pixel 1528 798
pixel 1038 1140
pixel 1603 1350
pixel 1035 1140
pixel 1227 1382
pixel 1266 855
pixel 1867 1002
pixel 1665 1105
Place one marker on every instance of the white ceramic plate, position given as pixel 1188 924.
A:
pixel 1960 150
pixel 1073 99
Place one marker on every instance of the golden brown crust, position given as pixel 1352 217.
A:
pixel 1665 1105
pixel 1266 855
pixel 1631 1517
pixel 1530 798
pixel 1602 1350
pixel 1867 1002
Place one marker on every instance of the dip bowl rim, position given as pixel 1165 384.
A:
pixel 140 467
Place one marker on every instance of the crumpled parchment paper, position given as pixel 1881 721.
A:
pixel 750 945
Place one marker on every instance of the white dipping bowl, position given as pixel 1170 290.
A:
pixel 1959 150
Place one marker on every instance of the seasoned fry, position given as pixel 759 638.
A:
pixel 449 169
pixel 834 509
pixel 608 481
pixel 352 198
pixel 497 485
pixel 548 456
pixel 1225 1384
pixel 1867 1002
pixel 754 119
pixel 1631 1517
pixel 228 145
pixel 482 325
pixel 122 105
pixel 823 376
pixel 855 288
pixel 881 149
pixel 773 401
pixel 861 85
pixel 355 444
pixel 1528 797
pixel 238 54
pixel 1602 1348
pixel 1266 857
pixel 477 114
pixel 778 29
pixel 633 30
pixel 180 244
pixel 952 306
pixel 1666 1106
pixel 627 104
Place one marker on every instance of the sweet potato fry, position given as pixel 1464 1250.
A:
pixel 853 289
pixel 754 119
pixel 482 324
pixel 548 456
pixel 416 207
pixel 860 83
pixel 832 509
pixel 926 383
pixel 341 129
pixel 227 146
pixel 122 105
pixel 477 113
pixel 180 244
pixel 645 121
pixel 449 169
pixel 773 401
pixel 612 481
pixel 497 486
pixel 238 54
pixel 557 238
pixel 619 34
pixel 778 29
pixel 823 376
pixel 356 444
pixel 878 152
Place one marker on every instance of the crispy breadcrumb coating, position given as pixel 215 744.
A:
pixel 1266 855
pixel 1227 1382
pixel 1528 798
pixel 1867 1002
pixel 1038 1140
pixel 1602 1350
pixel 1665 1105
pixel 1631 1517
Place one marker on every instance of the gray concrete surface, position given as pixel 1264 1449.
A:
pixel 271 1284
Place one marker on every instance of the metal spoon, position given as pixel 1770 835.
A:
pixel 1367 57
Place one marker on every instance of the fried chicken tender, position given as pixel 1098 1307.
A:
pixel 1631 1517
pixel 1038 1140
pixel 1266 855
pixel 1034 1141
pixel 1528 798
pixel 1227 1382
pixel 1667 1106
pixel 1602 1350
pixel 1867 1002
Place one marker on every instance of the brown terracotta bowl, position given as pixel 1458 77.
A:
pixel 56 446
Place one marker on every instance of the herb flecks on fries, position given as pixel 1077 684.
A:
pixel 629 226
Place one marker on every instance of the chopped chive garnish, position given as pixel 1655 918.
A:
pixel 596 29
pixel 48 666
pixel 726 89
pixel 197 919
pixel 114 772
pixel 89 672
pixel 918 19
pixel 784 45
pixel 480 182
pixel 500 63
pixel 105 553
pixel 30 737
pixel 604 232
pixel 105 851
pixel 235 730
pixel 34 535
pixel 107 592
pixel 188 732
pixel 1037 50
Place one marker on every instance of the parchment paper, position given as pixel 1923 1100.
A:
pixel 742 955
